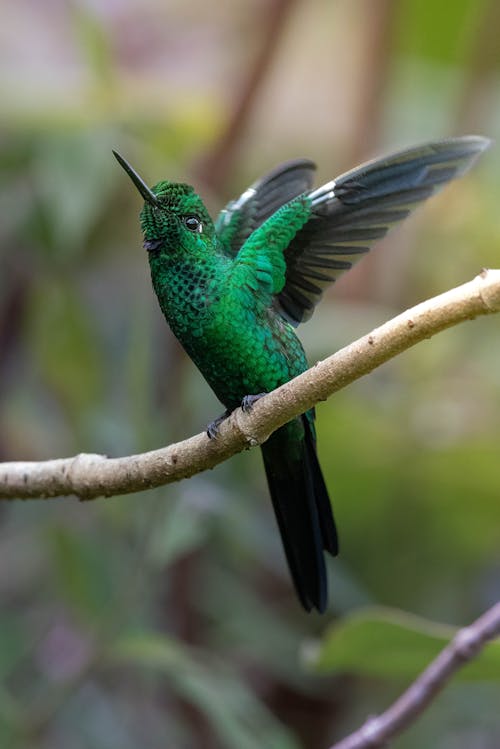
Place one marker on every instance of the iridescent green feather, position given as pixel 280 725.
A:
pixel 260 264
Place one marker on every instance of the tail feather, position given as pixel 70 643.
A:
pixel 302 509
pixel 321 497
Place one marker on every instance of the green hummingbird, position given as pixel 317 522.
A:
pixel 234 291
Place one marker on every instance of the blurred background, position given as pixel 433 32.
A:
pixel 167 619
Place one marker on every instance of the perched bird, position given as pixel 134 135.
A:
pixel 233 292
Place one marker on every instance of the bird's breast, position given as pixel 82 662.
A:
pixel 241 347
pixel 184 291
pixel 241 352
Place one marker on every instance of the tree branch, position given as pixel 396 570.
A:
pixel 89 476
pixel 465 646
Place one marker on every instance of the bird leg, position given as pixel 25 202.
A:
pixel 249 400
pixel 213 427
pixel 246 406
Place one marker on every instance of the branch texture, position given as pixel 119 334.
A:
pixel 88 476
pixel 465 646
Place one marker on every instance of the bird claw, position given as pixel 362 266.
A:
pixel 246 406
pixel 213 427
pixel 249 400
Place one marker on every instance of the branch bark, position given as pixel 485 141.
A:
pixel 465 646
pixel 88 476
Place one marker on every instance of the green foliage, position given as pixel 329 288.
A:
pixel 81 573
pixel 437 33
pixel 72 187
pixel 388 643
pixel 65 346
pixel 239 719
pixel 12 643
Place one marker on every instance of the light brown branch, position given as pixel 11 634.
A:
pixel 464 647
pixel 90 476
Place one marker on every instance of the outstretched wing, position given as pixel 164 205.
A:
pixel 242 216
pixel 259 269
pixel 352 212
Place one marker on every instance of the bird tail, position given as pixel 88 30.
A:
pixel 302 508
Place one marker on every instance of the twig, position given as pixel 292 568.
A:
pixel 89 476
pixel 464 647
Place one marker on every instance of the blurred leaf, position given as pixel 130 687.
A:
pixel 273 637
pixel 81 572
pixel 138 374
pixel 237 716
pixel 389 643
pixel 181 529
pixel 74 180
pixel 8 733
pixel 66 350
pixel 437 31
pixel 12 643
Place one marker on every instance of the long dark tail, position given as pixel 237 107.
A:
pixel 302 508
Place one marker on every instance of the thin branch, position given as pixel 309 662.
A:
pixel 465 646
pixel 89 476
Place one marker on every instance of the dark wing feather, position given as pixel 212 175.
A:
pixel 242 216
pixel 349 214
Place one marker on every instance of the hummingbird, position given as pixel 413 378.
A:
pixel 234 290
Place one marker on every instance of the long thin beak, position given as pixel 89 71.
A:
pixel 146 193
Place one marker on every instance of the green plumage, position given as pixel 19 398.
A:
pixel 219 309
pixel 233 292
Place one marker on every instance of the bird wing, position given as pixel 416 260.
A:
pixel 259 269
pixel 349 214
pixel 242 216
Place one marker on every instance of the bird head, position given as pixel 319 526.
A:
pixel 173 217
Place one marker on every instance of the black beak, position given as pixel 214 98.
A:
pixel 146 193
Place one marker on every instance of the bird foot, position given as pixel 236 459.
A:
pixel 213 427
pixel 248 401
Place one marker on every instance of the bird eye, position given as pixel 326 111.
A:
pixel 193 223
